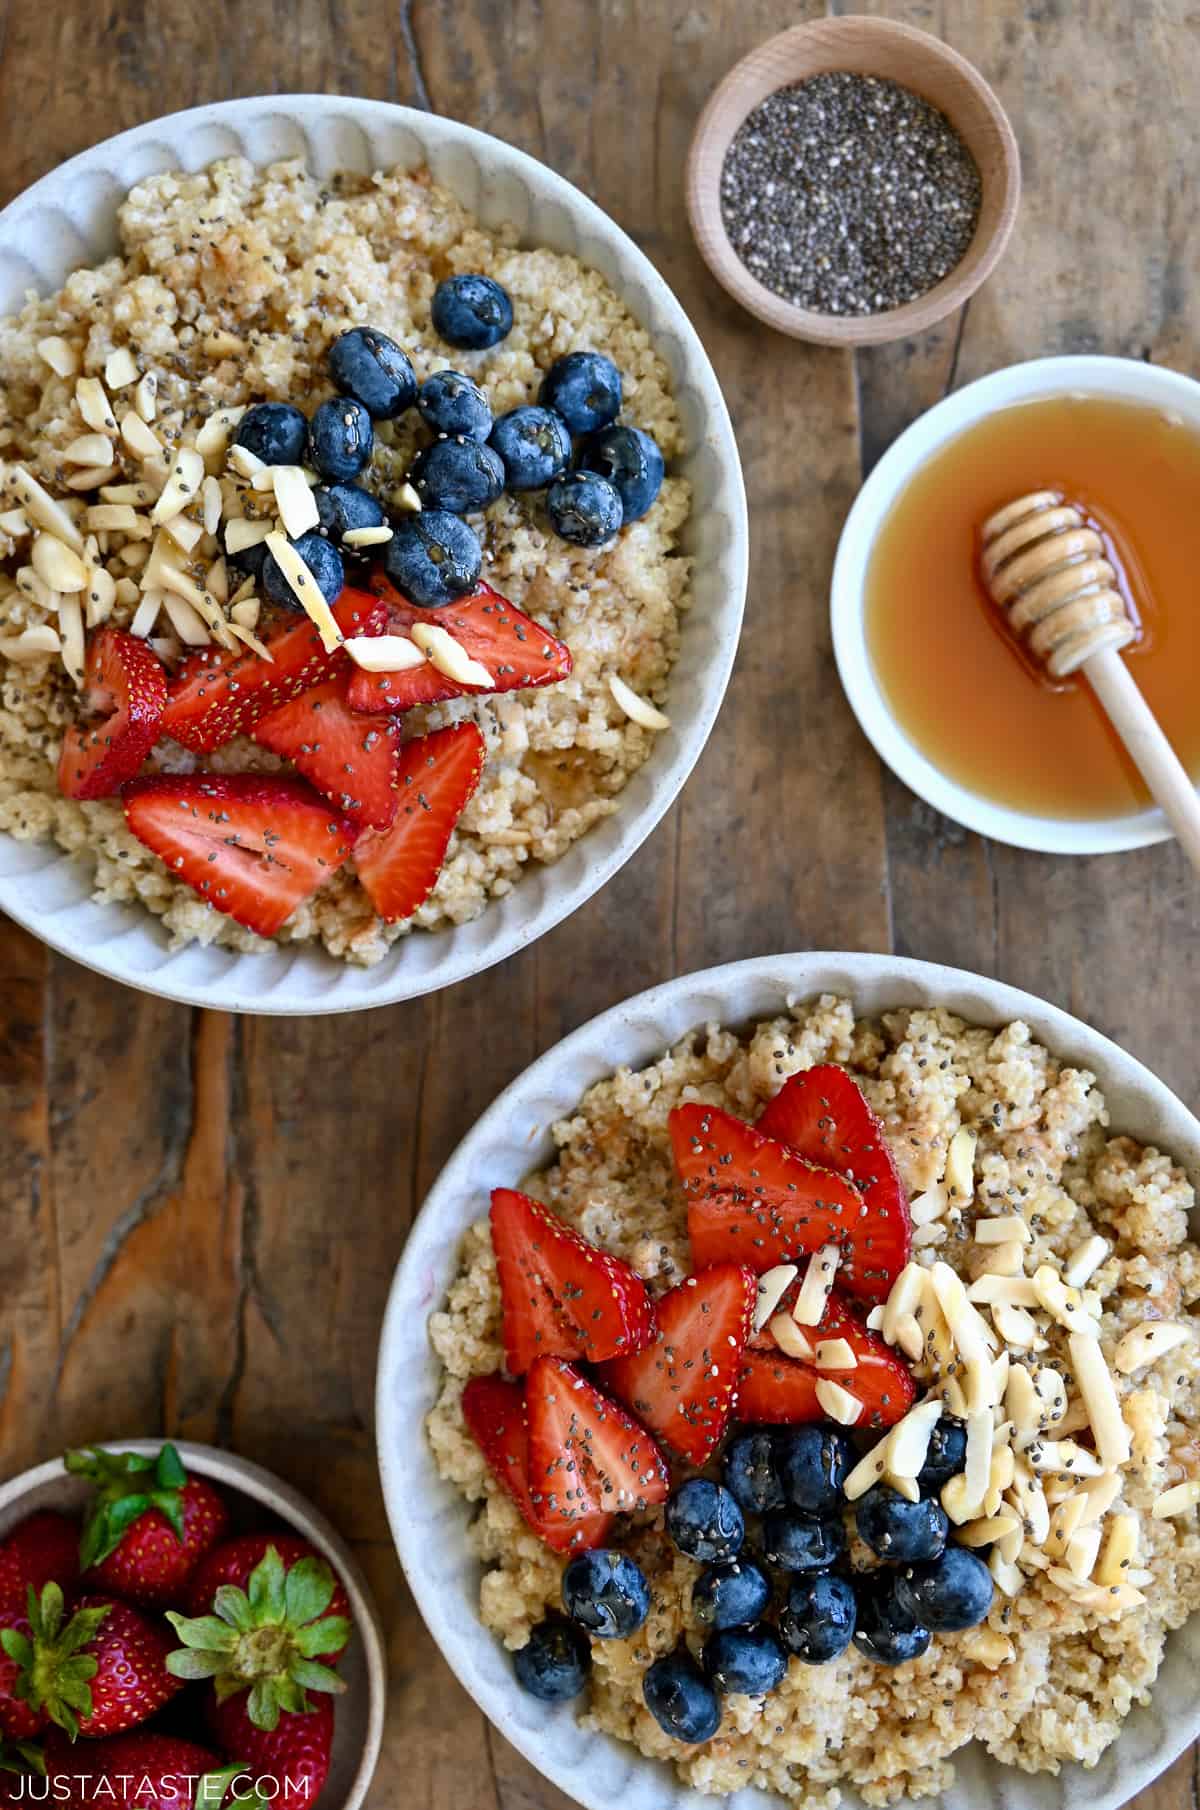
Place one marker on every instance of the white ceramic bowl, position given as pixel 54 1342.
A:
pixel 429 1519
pixel 358 1727
pixel 68 219
pixel 1125 379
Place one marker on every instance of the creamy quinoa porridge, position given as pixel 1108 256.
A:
pixel 1092 1545
pixel 230 287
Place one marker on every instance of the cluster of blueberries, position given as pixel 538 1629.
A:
pixel 597 474
pixel 791 1479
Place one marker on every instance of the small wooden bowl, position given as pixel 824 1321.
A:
pixel 257 1498
pixel 865 46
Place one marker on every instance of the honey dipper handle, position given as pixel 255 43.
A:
pixel 1157 761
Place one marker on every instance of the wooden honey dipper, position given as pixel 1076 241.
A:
pixel 1048 570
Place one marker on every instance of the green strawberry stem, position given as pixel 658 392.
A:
pixel 213 1786
pixel 53 1673
pixel 127 1484
pixel 21 1757
pixel 267 1639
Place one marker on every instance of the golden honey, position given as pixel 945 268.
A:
pixel 958 684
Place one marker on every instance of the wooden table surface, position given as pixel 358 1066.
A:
pixel 199 1215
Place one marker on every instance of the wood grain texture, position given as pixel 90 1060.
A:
pixel 199 1216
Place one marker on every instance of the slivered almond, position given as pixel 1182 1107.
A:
pixel 1000 1476
pixel 90 477
pixel 789 1338
pixel 1003 1231
pixel 137 495
pixel 875 1318
pixel 1009 1545
pixel 971 1336
pixel 910 1338
pixel 1084 1261
pixel 903 1486
pixel 35 587
pixel 907 1445
pixel 396 653
pixel 926 1236
pixel 998 1260
pixel 1146 1343
pixel 1029 1498
pixel 1082 1550
pixel 41 508
pixel 981 1428
pixel 866 1473
pixel 960 1166
pixel 1179 1500
pixel 835 1354
pixel 1061 1302
pixel 1120 1549
pixel 954 1398
pixel 406 500
pixel 141 440
pixel 1101 1493
pixel 812 1297
pixel 957 1502
pixel 186 621
pixel 1051 1392
pixel 214 437
pixel 838 1403
pixel 979 1384
pixel 211 503
pixel 1000 1369
pixel 1063 1455
pixel 63 360
pixel 58 566
pixel 1005 1574
pixel 244 462
pixel 1016 1291
pixel 637 708
pixel 447 654
pixel 1100 1399
pixel 185 532
pixel 988 1531
pixel 120 369
pixel 127 593
pixel 242 532
pixel 183 483
pixel 987 1646
pixel 1063 1522
pixel 774 1283
pixel 101 595
pixel 33 643
pixel 367 537
pixel 91 400
pixel 15 523
pixel 925 1208
pixel 294 500
pixel 70 632
pixel 145 397
pixel 1015 1325
pixel 905 1295
pixel 89 449
pixel 246 614
pixel 111 518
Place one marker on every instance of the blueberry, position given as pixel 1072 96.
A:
pixel 471 311
pixel 374 370
pixel 555 1661
pixel 952 1593
pixel 340 438
pixel 749 1471
pixel 730 1596
pixel 631 462
pixel 813 1463
pixel 342 507
pixel 886 1631
pixel 534 445
pixel 584 508
pixel 585 389
pixel 680 1698
pixel 323 561
pixel 274 432
pixel 606 1593
pixel 819 1619
pixel 705 1522
pixel 451 404
pixel 946 1456
pixel 458 475
pixel 251 560
pixel 898 1530
pixel 433 558
pixel 795 1542
pixel 751 1661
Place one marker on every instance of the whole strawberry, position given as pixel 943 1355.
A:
pixel 295 1751
pixel 41 1549
pixel 149 1524
pixel 267 1643
pixel 137 1772
pixel 233 1561
pixel 99 1672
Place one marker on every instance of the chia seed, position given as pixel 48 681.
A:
pixel 847 194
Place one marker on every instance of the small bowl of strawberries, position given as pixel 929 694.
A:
pixel 180 1628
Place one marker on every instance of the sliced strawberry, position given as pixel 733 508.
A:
pixel 580 1441
pixel 562 1297
pixel 516 650
pixel 252 845
pixel 124 697
pixel 353 763
pixel 752 1200
pixel 822 1114
pixel 435 776
pixel 774 1387
pixel 216 695
pixel 494 1411
pixel 683 1385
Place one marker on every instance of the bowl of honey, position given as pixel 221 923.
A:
pixel 948 697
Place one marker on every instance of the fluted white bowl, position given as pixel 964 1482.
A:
pixel 69 219
pixel 429 1518
pixel 255 1495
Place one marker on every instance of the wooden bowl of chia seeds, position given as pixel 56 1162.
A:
pixel 852 181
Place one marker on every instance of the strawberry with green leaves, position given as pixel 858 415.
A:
pixel 41 1549
pixel 291 1758
pixel 269 1642
pixel 148 1526
pixel 99 1671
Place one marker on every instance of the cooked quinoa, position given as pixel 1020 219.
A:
pixel 229 288
pixel 1056 1683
